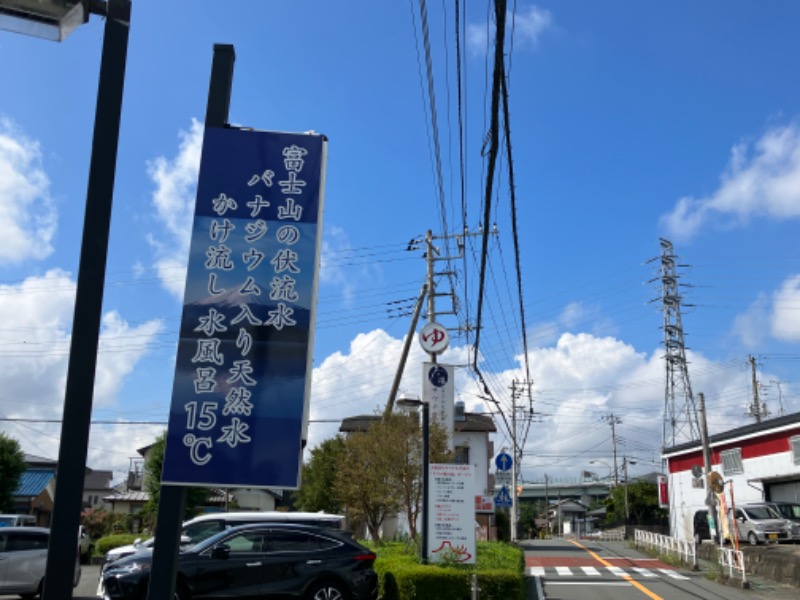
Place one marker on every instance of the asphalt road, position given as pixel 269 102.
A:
pixel 589 570
pixel 87 586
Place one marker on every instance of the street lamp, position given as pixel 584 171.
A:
pixel 415 403
pixel 54 20
pixel 602 462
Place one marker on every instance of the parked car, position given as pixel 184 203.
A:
pixel 85 545
pixel 791 512
pixel 293 561
pixel 701 527
pixel 204 526
pixel 17 521
pixel 23 560
pixel 760 523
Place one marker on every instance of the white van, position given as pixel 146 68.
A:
pixel 196 530
pixel 17 521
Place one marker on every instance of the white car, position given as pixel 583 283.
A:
pixel 23 560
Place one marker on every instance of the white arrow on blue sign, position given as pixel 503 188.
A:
pixel 503 498
pixel 503 461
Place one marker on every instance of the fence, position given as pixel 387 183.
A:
pixel 733 560
pixel 685 550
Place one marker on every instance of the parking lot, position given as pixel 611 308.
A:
pixel 87 587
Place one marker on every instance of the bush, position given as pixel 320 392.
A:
pixel 499 568
pixel 109 542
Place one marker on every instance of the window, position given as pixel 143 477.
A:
pixel 291 541
pixel 732 461
pixel 794 443
pixel 462 455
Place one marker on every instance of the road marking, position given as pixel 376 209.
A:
pixel 593 583
pixel 616 571
pixel 536 571
pixel 628 578
pixel 563 570
pixel 590 571
pixel 673 574
pixel 644 572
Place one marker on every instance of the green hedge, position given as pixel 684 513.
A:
pixel 499 567
pixel 109 542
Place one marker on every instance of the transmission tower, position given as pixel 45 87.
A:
pixel 680 416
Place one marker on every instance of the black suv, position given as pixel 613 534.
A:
pixel 255 561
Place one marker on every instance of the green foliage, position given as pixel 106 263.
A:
pixel 196 497
pixel 319 474
pixel 97 522
pixel 109 542
pixel 12 466
pixel 499 568
pixel 642 504
pixel 503 523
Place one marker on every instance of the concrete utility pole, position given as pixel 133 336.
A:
pixel 614 421
pixel 711 501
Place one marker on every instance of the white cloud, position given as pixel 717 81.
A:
pixel 35 352
pixel 785 322
pixel 28 217
pixel 762 181
pixel 573 317
pixel 174 199
pixel 527 27
pixel 752 325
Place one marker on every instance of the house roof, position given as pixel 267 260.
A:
pixel 98 480
pixel 748 431
pixel 33 481
pixel 39 461
pixel 475 422
pixel 128 497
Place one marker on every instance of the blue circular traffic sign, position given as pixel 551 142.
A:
pixel 503 461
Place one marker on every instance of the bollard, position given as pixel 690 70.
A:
pixel 475 589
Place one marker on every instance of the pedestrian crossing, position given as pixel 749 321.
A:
pixel 637 572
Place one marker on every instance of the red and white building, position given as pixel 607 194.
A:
pixel 758 462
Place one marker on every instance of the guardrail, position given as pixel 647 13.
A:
pixel 733 560
pixel 685 550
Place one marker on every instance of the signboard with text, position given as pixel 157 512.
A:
pixel 451 532
pixel 438 390
pixel 240 396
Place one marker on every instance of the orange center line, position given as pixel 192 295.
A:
pixel 626 577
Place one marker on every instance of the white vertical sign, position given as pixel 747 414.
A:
pixel 451 527
pixel 438 390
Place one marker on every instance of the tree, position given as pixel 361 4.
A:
pixel 379 471
pixel 12 466
pixel 319 474
pixel 195 497
pixel 642 504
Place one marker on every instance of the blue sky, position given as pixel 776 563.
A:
pixel 629 122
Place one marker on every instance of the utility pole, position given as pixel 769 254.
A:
pixel 614 421
pixel 711 501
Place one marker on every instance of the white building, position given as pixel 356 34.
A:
pixel 757 462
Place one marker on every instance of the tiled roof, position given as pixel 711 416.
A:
pixel 97 480
pixel 33 481
pixel 128 497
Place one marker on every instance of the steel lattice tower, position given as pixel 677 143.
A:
pixel 680 416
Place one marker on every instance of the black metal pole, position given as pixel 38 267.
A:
pixel 71 470
pixel 172 498
pixel 425 479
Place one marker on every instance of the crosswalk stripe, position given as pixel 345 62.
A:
pixel 564 571
pixel 673 574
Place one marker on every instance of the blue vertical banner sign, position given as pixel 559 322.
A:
pixel 242 378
